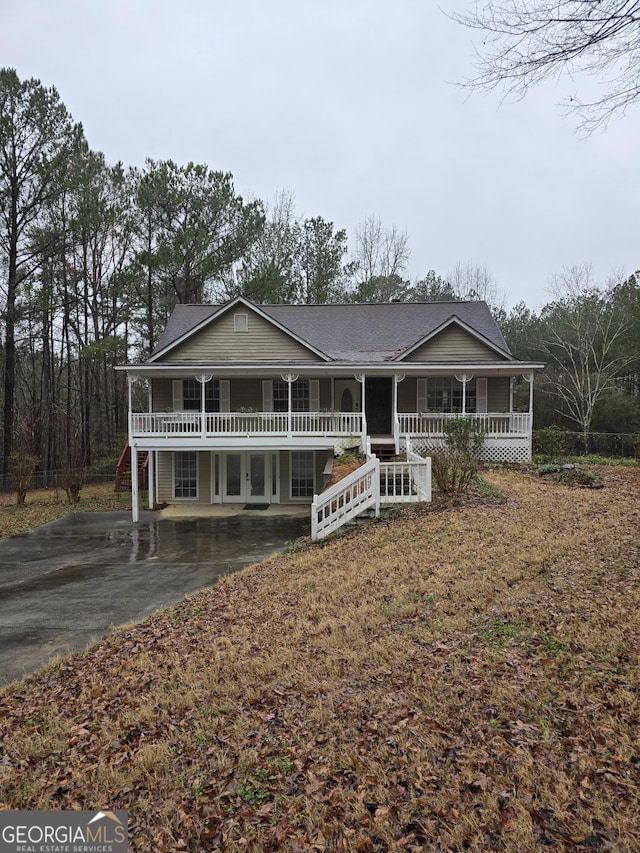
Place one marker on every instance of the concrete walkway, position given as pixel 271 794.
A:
pixel 191 510
pixel 68 583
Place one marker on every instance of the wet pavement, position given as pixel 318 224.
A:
pixel 70 582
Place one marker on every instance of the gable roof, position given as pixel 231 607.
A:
pixel 363 333
pixel 186 320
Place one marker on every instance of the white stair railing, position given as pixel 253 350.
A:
pixel 405 482
pixel 371 485
pixel 352 496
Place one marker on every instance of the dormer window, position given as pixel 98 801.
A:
pixel 240 322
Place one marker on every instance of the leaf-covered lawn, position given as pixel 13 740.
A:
pixel 462 678
pixel 44 505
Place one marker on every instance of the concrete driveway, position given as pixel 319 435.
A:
pixel 70 582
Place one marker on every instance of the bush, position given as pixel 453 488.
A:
pixel 581 477
pixel 549 442
pixel 454 465
pixel 571 474
pixel 548 468
pixel 22 467
pixel 73 479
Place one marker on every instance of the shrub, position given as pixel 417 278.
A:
pixel 454 464
pixel 571 474
pixel 549 442
pixel 73 479
pixel 581 476
pixel 548 468
pixel 22 467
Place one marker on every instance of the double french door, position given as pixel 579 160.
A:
pixel 249 477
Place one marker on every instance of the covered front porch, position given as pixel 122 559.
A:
pixel 338 411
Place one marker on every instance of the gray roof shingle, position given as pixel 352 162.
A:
pixel 354 332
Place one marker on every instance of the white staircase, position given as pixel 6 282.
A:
pixel 371 486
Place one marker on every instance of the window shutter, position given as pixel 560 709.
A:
pixel 267 395
pixel 481 394
pixel 314 395
pixel 178 398
pixel 225 396
pixel 421 403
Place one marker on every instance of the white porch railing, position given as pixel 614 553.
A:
pixel 371 485
pixel 314 424
pixel 491 423
pixel 246 424
pixel 347 499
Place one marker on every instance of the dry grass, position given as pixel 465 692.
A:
pixel 43 505
pixel 462 678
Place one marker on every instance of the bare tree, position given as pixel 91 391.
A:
pixel 269 269
pixel 583 336
pixel 474 281
pixel 528 41
pixel 381 256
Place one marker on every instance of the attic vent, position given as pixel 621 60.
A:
pixel 240 322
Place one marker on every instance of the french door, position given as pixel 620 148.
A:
pixel 247 477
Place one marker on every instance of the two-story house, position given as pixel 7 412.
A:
pixel 246 403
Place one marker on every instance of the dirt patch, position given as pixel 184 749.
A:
pixel 342 468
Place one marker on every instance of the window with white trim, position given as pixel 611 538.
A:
pixel 185 474
pixel 299 395
pixel 302 471
pixel 192 395
pixel 444 394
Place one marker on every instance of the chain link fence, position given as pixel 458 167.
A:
pixel 616 445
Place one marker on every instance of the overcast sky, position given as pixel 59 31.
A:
pixel 352 106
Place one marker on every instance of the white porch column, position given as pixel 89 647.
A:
pixel 289 378
pixel 464 378
pixel 151 471
pixel 203 379
pixel 360 378
pixel 531 375
pixel 397 379
pixel 130 404
pixel 134 484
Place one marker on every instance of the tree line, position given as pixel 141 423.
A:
pixel 588 336
pixel 94 256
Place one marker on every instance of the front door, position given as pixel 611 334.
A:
pixel 247 477
pixel 347 395
pixel 378 404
